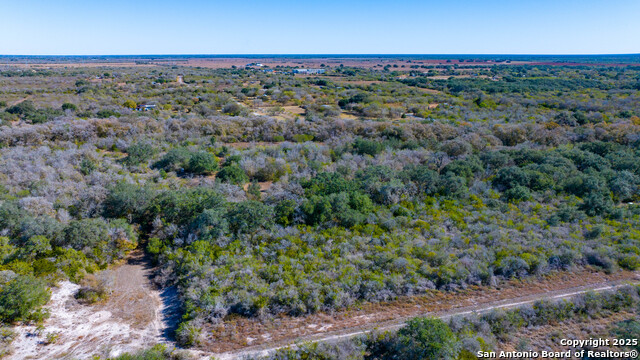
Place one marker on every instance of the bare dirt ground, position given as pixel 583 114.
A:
pixel 429 91
pixel 135 316
pixel 284 113
pixel 296 110
pixel 239 337
pixel 264 186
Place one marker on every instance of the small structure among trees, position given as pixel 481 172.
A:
pixel 145 107
pixel 309 71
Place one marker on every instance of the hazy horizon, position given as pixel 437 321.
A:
pixel 362 55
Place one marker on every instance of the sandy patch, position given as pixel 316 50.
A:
pixel 135 316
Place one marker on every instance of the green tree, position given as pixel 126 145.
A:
pixel 327 183
pixel 6 248
pixel 21 298
pixel 624 185
pixel 211 224
pixel 511 177
pixel 317 210
pixel 517 193
pixel 368 147
pixel 138 153
pixel 232 159
pixel 106 113
pixel 453 186
pixel 232 174
pixel 69 106
pixel 85 234
pixel 597 203
pixel 87 166
pixel 202 163
pixel 254 190
pixel 466 168
pixel 127 201
pixel 284 212
pixel 426 179
pixel 248 217
pixel 360 202
pixel 427 339
pixel 22 109
pixel 130 104
pixel 174 160
pixel 36 246
pixel 183 206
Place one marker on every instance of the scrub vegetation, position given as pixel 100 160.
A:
pixel 259 193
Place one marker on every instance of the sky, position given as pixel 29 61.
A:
pixel 133 27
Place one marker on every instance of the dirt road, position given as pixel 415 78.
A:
pixel 398 323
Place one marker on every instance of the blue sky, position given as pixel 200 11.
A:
pixel 96 27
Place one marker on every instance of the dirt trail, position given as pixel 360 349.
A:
pixel 135 316
pixel 20 101
pixel 264 350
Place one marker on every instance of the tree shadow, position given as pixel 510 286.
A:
pixel 171 312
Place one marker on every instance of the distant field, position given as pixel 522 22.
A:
pixel 397 62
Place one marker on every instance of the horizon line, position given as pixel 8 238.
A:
pixel 322 54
